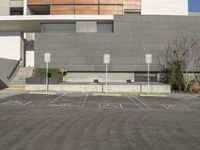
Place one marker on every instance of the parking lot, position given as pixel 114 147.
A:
pixel 98 101
pixel 88 121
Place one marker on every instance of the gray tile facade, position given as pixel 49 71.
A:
pixel 133 37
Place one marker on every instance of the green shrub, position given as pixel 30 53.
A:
pixel 175 75
pixel 53 72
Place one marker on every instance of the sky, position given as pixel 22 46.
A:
pixel 194 5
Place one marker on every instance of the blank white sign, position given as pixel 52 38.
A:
pixel 148 58
pixel 106 58
pixel 47 57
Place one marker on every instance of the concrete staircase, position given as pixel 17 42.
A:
pixel 19 79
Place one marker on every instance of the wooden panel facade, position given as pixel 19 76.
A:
pixel 88 2
pixel 86 9
pixel 89 7
pixel 111 9
pixel 111 2
pixel 62 2
pixel 132 4
pixel 62 9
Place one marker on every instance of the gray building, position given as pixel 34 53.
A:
pixel 77 43
pixel 127 39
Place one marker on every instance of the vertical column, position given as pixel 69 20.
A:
pixel 25 7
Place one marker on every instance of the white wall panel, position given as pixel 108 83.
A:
pixel 164 7
pixel 4 7
pixel 10 47
pixel 30 56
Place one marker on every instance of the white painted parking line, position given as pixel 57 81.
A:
pixel 140 101
pixel 17 103
pixel 186 107
pixel 85 99
pixel 170 106
pixel 54 100
pixel 131 99
pixel 58 105
pixel 121 106
pixel 99 105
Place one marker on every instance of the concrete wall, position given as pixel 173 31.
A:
pixel 86 26
pixel 5 8
pixel 164 7
pixel 5 68
pixel 89 77
pixel 133 37
pixel 11 45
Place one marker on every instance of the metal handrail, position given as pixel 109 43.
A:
pixel 14 69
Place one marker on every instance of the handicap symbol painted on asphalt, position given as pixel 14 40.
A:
pixel 168 106
pixel 108 105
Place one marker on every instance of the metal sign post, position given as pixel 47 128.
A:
pixel 148 60
pixel 47 59
pixel 106 61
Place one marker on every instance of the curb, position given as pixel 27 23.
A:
pixel 104 94
pixel 152 95
pixel 13 89
pixel 44 93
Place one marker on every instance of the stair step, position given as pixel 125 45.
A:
pixel 21 75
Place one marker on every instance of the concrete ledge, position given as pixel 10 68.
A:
pixel 156 89
pixel 122 88
pixel 67 87
pixel 43 93
pixel 98 88
pixel 153 95
pixel 108 94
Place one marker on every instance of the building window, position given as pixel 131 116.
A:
pixel 142 77
pixel 69 27
pixel 104 27
pixel 16 11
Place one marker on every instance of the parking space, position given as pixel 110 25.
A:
pixel 28 99
pixel 191 101
pixel 69 100
pixel 111 102
pixel 89 121
pixel 88 100
pixel 176 102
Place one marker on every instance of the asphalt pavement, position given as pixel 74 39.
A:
pixel 84 121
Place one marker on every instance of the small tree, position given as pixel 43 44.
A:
pixel 177 61
pixel 175 76
pixel 197 69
